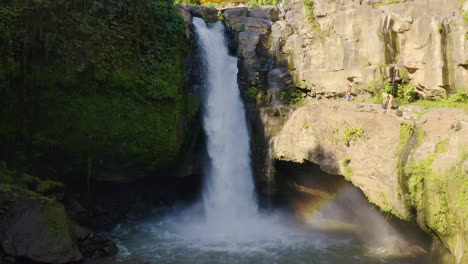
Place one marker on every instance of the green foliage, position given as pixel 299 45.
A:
pixel 40 186
pixel 262 2
pixel 390 2
pixel 458 100
pixel 461 198
pixel 251 92
pixel 460 97
pixel 346 161
pixel 406 133
pixel 298 95
pixel 420 178
pixel 465 16
pixel 57 219
pixel 377 87
pixel 351 134
pixel 348 172
pixel 92 82
pixel 284 97
pixel 407 92
pixel 310 14
pixel 220 16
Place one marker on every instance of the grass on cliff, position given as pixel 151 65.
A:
pixel 390 2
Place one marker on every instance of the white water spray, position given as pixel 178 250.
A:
pixel 229 190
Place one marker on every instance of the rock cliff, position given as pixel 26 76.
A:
pixel 411 162
pixel 331 44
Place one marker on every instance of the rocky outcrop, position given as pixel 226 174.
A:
pixel 331 44
pixel 412 162
pixel 36 228
pixel 251 31
pixel 208 13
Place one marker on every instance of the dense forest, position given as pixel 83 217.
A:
pixel 89 84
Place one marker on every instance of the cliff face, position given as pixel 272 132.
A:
pixel 411 162
pixel 331 44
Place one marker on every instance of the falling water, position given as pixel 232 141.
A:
pixel 229 190
pixel 226 226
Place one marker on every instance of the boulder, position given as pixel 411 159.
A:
pixel 265 12
pixel 234 16
pixel 37 229
pixel 259 25
pixel 98 248
pixel 250 64
pixel 208 13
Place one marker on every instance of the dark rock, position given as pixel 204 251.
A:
pixel 8 259
pixel 233 17
pixel 265 12
pixel 97 248
pixel 208 13
pixel 38 230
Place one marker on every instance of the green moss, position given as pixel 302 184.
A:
pixel 461 198
pixel 348 172
pixel 310 14
pixel 108 78
pixel 346 161
pixel 465 16
pixel 390 2
pixel 406 133
pixel 57 219
pixel 14 192
pixel 427 188
pixel 251 92
pixel 351 134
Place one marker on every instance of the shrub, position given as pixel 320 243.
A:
pixel 351 134
pixel 407 92
pixel 251 92
pixel 460 97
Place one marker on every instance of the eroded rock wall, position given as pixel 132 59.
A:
pixel 336 43
pixel 412 163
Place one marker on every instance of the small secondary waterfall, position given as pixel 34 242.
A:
pixel 229 192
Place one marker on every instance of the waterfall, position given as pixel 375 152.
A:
pixel 229 193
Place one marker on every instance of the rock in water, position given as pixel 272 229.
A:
pixel 96 248
pixel 38 229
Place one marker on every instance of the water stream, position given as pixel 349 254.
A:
pixel 226 226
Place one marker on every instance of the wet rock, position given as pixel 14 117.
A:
pixel 265 12
pixel 248 41
pixel 97 248
pixel 38 230
pixel 208 13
